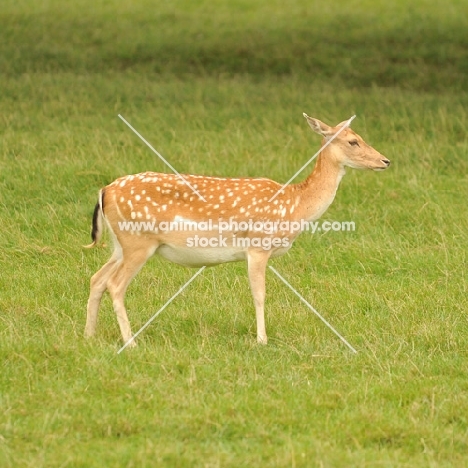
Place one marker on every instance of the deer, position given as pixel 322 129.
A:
pixel 159 201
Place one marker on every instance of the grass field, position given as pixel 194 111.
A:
pixel 219 89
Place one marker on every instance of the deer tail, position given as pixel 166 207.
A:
pixel 96 231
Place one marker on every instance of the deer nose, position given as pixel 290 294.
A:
pixel 386 162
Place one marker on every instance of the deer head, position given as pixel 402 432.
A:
pixel 348 149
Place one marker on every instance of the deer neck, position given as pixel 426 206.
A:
pixel 319 189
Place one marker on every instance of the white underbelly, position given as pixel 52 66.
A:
pixel 200 256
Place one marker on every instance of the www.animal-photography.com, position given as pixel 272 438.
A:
pixel 233 234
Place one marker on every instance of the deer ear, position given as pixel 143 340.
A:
pixel 346 122
pixel 319 127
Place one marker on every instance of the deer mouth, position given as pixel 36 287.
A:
pixel 385 163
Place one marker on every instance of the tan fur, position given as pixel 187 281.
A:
pixel 157 197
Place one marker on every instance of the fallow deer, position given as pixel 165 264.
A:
pixel 160 202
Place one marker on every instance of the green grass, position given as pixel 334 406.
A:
pixel 219 88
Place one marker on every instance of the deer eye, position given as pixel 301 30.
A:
pixel 354 143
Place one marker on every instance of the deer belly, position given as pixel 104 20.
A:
pixel 200 256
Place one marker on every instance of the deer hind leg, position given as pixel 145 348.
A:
pixel 256 264
pixel 118 282
pixel 98 287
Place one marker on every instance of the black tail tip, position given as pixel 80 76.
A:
pixel 94 230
